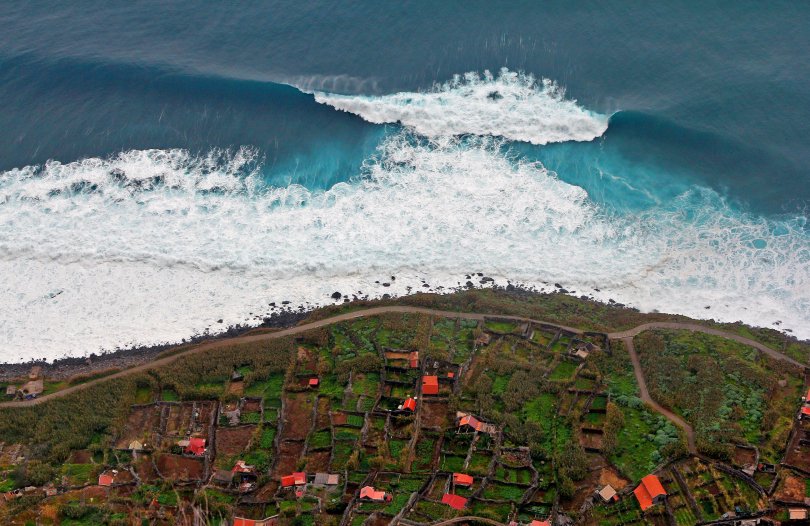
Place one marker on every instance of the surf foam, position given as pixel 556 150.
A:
pixel 153 246
pixel 516 106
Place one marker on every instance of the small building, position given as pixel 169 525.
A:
pixel 136 445
pixel 797 514
pixel 467 423
pixel 326 479
pixel 409 404
pixel 313 382
pixel 222 477
pixel 298 478
pixel 11 391
pixel 106 479
pixel 451 375
pixel 195 446
pixel 236 376
pixel 649 492
pixel 540 523
pixel 457 502
pixel 462 479
pixel 369 493
pixel 608 494
pixel 430 385
pixel 804 413
pixel 413 359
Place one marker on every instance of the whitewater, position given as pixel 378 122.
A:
pixel 152 246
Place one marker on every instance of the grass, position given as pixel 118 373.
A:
pixel 501 327
pixel 498 491
pixel 452 463
pixel 169 395
pixel 563 371
pixel 270 386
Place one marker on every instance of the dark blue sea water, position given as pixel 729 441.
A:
pixel 229 156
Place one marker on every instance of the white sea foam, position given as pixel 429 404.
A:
pixel 516 106
pixel 156 245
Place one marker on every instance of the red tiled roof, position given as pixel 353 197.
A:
pixel 368 492
pixel 462 479
pixel 430 385
pixel 451 375
pixel 105 480
pixel 807 396
pixel 471 421
pixel 313 382
pixel 239 521
pixel 806 410
pixel 241 467
pixel 648 490
pixel 300 478
pixel 410 404
pixel 457 502
pixel 540 523
pixel 196 446
pixel 287 481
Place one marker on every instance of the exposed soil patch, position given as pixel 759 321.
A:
pixel 318 461
pixel 434 414
pixel 339 419
pixel 288 455
pixel 792 489
pixel 234 440
pixel 609 475
pixel 297 416
pixel 141 423
pixel 744 456
pixel 81 456
pixel 180 468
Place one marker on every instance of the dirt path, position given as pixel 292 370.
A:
pixel 375 311
pixel 645 396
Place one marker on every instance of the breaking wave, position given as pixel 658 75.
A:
pixel 152 245
pixel 515 106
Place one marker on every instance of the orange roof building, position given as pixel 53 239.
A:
pixel 805 411
pixel 409 405
pixel 369 493
pixel 457 502
pixel 239 521
pixel 295 479
pixel 649 492
pixel 462 479
pixel 313 382
pixel 540 523
pixel 430 385
pixel 105 480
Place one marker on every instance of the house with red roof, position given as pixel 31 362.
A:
pixel 295 479
pixel 649 492
pixel 105 479
pixel 462 479
pixel 413 359
pixel 540 523
pixel 805 412
pixel 313 382
pixel 457 502
pixel 430 385
pixel 369 493
pixel 195 446
pixel 409 404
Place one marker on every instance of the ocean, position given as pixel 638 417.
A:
pixel 168 169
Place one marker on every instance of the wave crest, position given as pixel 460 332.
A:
pixel 513 105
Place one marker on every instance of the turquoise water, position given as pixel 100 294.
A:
pixel 216 159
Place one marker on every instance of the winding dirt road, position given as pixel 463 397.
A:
pixel 375 311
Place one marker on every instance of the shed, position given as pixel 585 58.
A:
pixel 313 382
pixel 430 385
pixel 409 405
pixel 462 479
pixel 413 359
pixel 607 493
pixel 649 492
pixel 11 390
pixel 369 493
pixel 797 514
pixel 540 523
pixel 223 477
pixel 105 479
pixel 136 445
